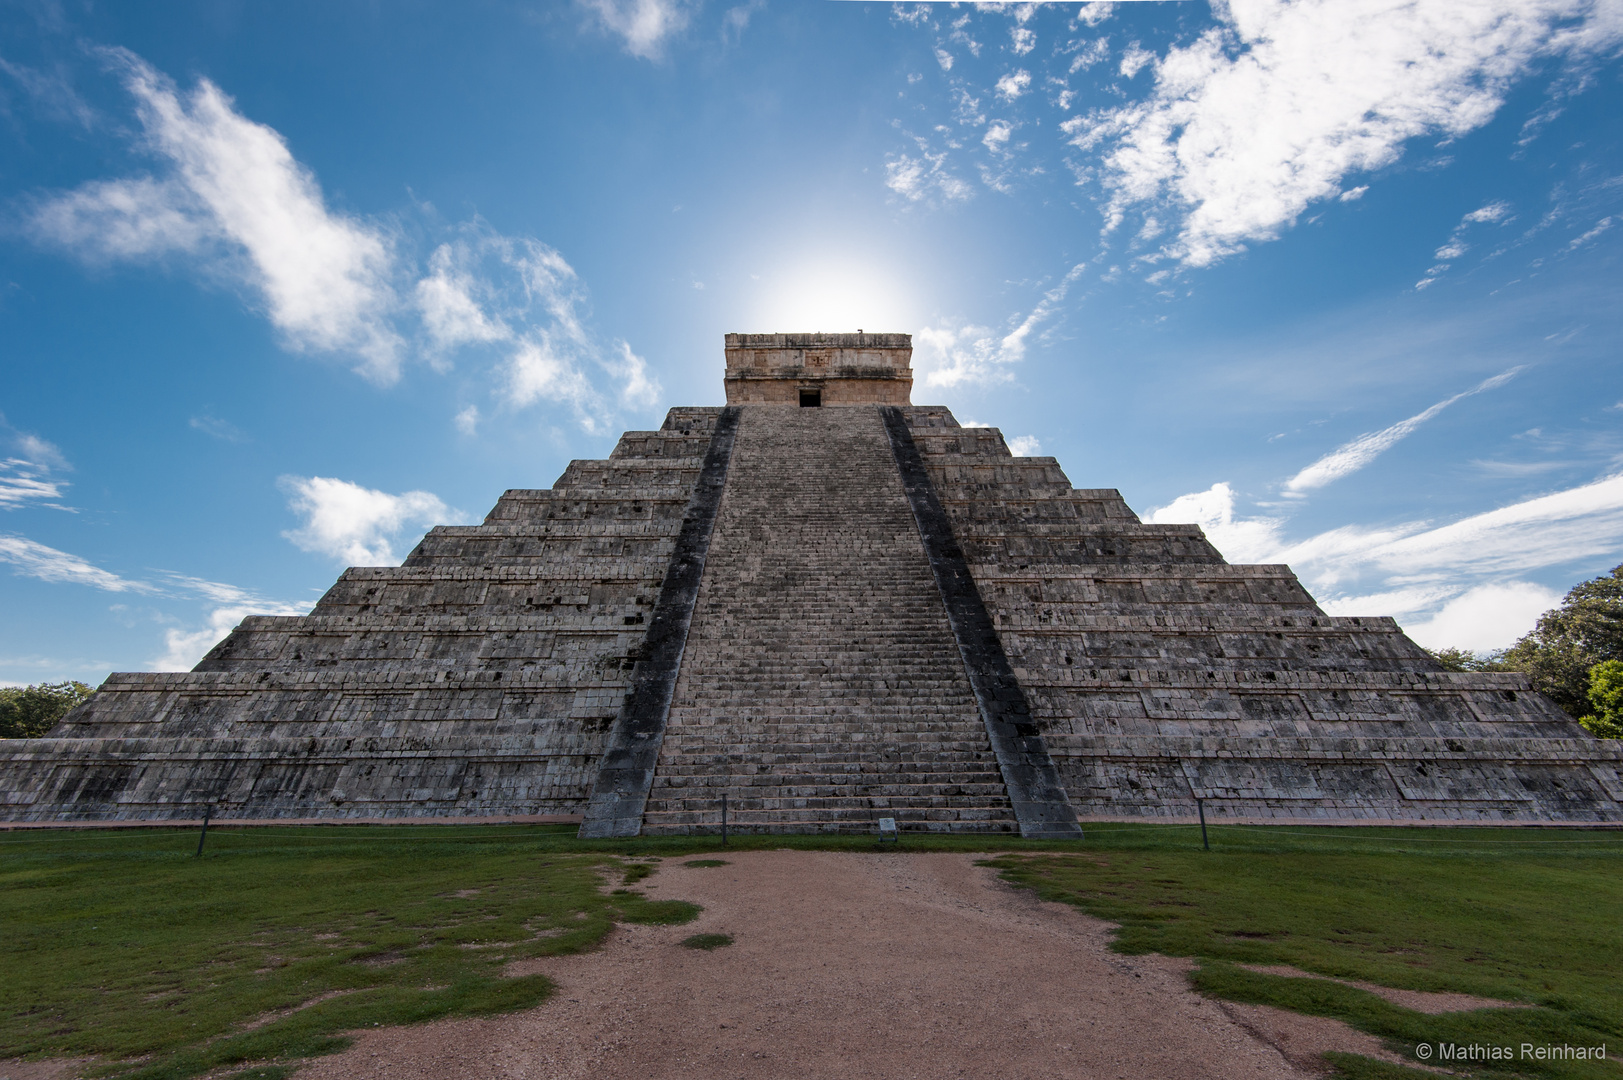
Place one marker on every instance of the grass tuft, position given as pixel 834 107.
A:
pixel 704 864
pixel 708 942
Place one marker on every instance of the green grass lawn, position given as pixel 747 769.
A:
pixel 121 946
pixel 1531 916
pixel 125 947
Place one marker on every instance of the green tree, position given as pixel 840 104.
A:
pixel 1606 696
pixel 1586 630
pixel 1466 660
pixel 28 712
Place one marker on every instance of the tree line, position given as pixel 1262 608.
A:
pixel 27 712
pixel 1574 654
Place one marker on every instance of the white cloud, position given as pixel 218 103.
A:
pixel 184 648
pixel 1270 111
pixel 522 300
pixel 40 453
pixel 214 427
pixel 944 58
pixel 997 135
pixel 1240 540
pixel 52 92
pixel 48 564
pixel 1022 40
pixel 644 24
pixel 638 390
pixel 1484 618
pixel 1566 526
pixel 951 353
pixel 22 482
pixel 1456 245
pixel 26 478
pixel 1349 458
pixel 236 190
pixel 917 179
pixel 108 220
pixel 1025 446
pixel 1013 84
pixel 1494 211
pixel 737 20
pixel 1354 193
pixel 958 353
pixel 467 421
pixel 1095 12
pixel 445 298
pixel 537 370
pixel 1096 52
pixel 354 524
pixel 1459 584
pixel 1135 59
pixel 1600 226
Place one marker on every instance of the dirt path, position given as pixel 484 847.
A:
pixel 856 967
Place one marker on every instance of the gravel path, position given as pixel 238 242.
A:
pixel 856 967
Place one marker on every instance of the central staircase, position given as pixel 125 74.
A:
pixel 822 687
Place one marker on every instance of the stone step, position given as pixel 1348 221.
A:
pixel 823 687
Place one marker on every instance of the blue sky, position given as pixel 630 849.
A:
pixel 283 285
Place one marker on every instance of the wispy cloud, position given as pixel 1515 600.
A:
pixel 1013 84
pixel 643 25
pixel 521 302
pixel 214 427
pixel 227 605
pixel 1417 568
pixel 354 524
pixel 23 483
pixel 52 93
pixel 1349 458
pixel 1456 245
pixel 183 648
pixel 1275 108
pixel 35 560
pixel 233 191
pixel 1481 619
pixel 925 178
pixel 953 354
pixel 29 478
pixel 229 198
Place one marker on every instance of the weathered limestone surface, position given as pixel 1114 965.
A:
pixel 1159 673
pixel 477 679
pixel 830 614
pixel 842 369
pixel 822 687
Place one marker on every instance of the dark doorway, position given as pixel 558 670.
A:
pixel 811 399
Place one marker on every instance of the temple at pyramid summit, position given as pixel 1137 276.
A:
pixel 829 605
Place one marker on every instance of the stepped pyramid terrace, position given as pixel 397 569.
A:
pixel 829 605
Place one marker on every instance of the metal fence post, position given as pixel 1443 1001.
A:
pixel 204 835
pixel 1200 804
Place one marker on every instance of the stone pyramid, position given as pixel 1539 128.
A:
pixel 830 606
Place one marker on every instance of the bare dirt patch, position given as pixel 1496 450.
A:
pixel 1303 1040
pixel 50 1069
pixel 856 967
pixel 1423 1001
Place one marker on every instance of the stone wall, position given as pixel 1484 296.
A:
pixel 841 369
pixel 1161 674
pixel 480 678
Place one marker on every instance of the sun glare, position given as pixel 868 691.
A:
pixel 836 296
